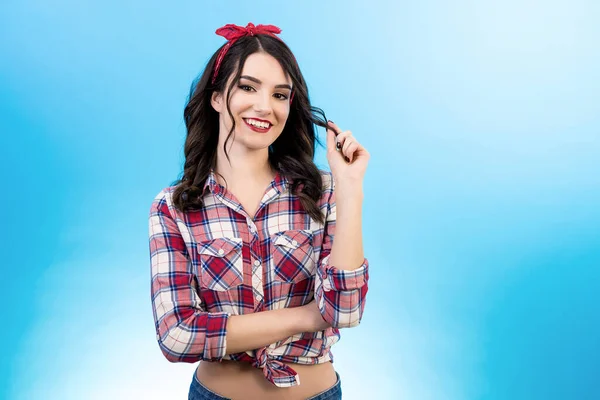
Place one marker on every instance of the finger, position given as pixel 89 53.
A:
pixel 336 128
pixel 338 144
pixel 331 142
pixel 348 138
pixel 342 138
pixel 351 150
pixel 336 131
pixel 347 142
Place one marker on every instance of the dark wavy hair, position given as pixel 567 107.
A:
pixel 291 154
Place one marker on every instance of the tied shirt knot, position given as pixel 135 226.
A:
pixel 275 371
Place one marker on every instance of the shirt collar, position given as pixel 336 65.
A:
pixel 210 183
pixel 279 183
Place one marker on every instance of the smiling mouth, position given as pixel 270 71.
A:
pixel 257 126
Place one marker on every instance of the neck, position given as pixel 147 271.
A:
pixel 244 166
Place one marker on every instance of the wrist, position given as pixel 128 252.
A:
pixel 350 189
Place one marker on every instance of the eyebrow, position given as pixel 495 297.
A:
pixel 253 79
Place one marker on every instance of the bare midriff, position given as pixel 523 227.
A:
pixel 241 381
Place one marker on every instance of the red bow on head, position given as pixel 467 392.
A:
pixel 233 32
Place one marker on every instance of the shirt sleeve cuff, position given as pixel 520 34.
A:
pixel 215 344
pixel 340 279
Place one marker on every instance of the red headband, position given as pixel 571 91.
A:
pixel 233 32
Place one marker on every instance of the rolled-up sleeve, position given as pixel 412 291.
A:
pixel 340 293
pixel 184 330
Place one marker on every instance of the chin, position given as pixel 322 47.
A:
pixel 257 147
pixel 258 143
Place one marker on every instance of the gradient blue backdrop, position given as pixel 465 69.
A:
pixel 482 196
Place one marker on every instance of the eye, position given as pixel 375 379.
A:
pixel 246 88
pixel 280 96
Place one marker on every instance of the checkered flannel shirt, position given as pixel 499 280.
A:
pixel 214 262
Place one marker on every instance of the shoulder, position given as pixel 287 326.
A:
pixel 166 194
pixel 163 201
pixel 327 187
pixel 328 182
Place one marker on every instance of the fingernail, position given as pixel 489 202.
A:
pixel 347 159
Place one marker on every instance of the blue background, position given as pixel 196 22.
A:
pixel 481 215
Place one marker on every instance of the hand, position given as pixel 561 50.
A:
pixel 347 158
pixel 312 318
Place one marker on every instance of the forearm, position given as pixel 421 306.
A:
pixel 210 336
pixel 256 330
pixel 347 249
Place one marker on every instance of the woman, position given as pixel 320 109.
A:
pixel 246 276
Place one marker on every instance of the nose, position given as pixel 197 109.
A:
pixel 262 105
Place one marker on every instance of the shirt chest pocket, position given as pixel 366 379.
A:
pixel 292 256
pixel 221 265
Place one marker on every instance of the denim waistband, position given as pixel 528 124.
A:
pixel 200 392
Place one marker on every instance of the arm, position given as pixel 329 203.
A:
pixel 186 332
pixel 341 284
pixel 253 331
pixel 347 249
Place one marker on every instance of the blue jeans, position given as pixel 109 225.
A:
pixel 200 392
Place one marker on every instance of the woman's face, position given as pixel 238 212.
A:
pixel 260 104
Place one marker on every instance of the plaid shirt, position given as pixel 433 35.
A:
pixel 214 262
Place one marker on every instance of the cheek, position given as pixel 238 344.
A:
pixel 283 112
pixel 236 108
pixel 236 104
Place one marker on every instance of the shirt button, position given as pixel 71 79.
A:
pixel 221 251
pixel 257 263
pixel 294 243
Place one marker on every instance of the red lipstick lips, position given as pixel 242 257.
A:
pixel 256 128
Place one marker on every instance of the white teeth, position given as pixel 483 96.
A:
pixel 258 124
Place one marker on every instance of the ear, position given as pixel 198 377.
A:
pixel 216 100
